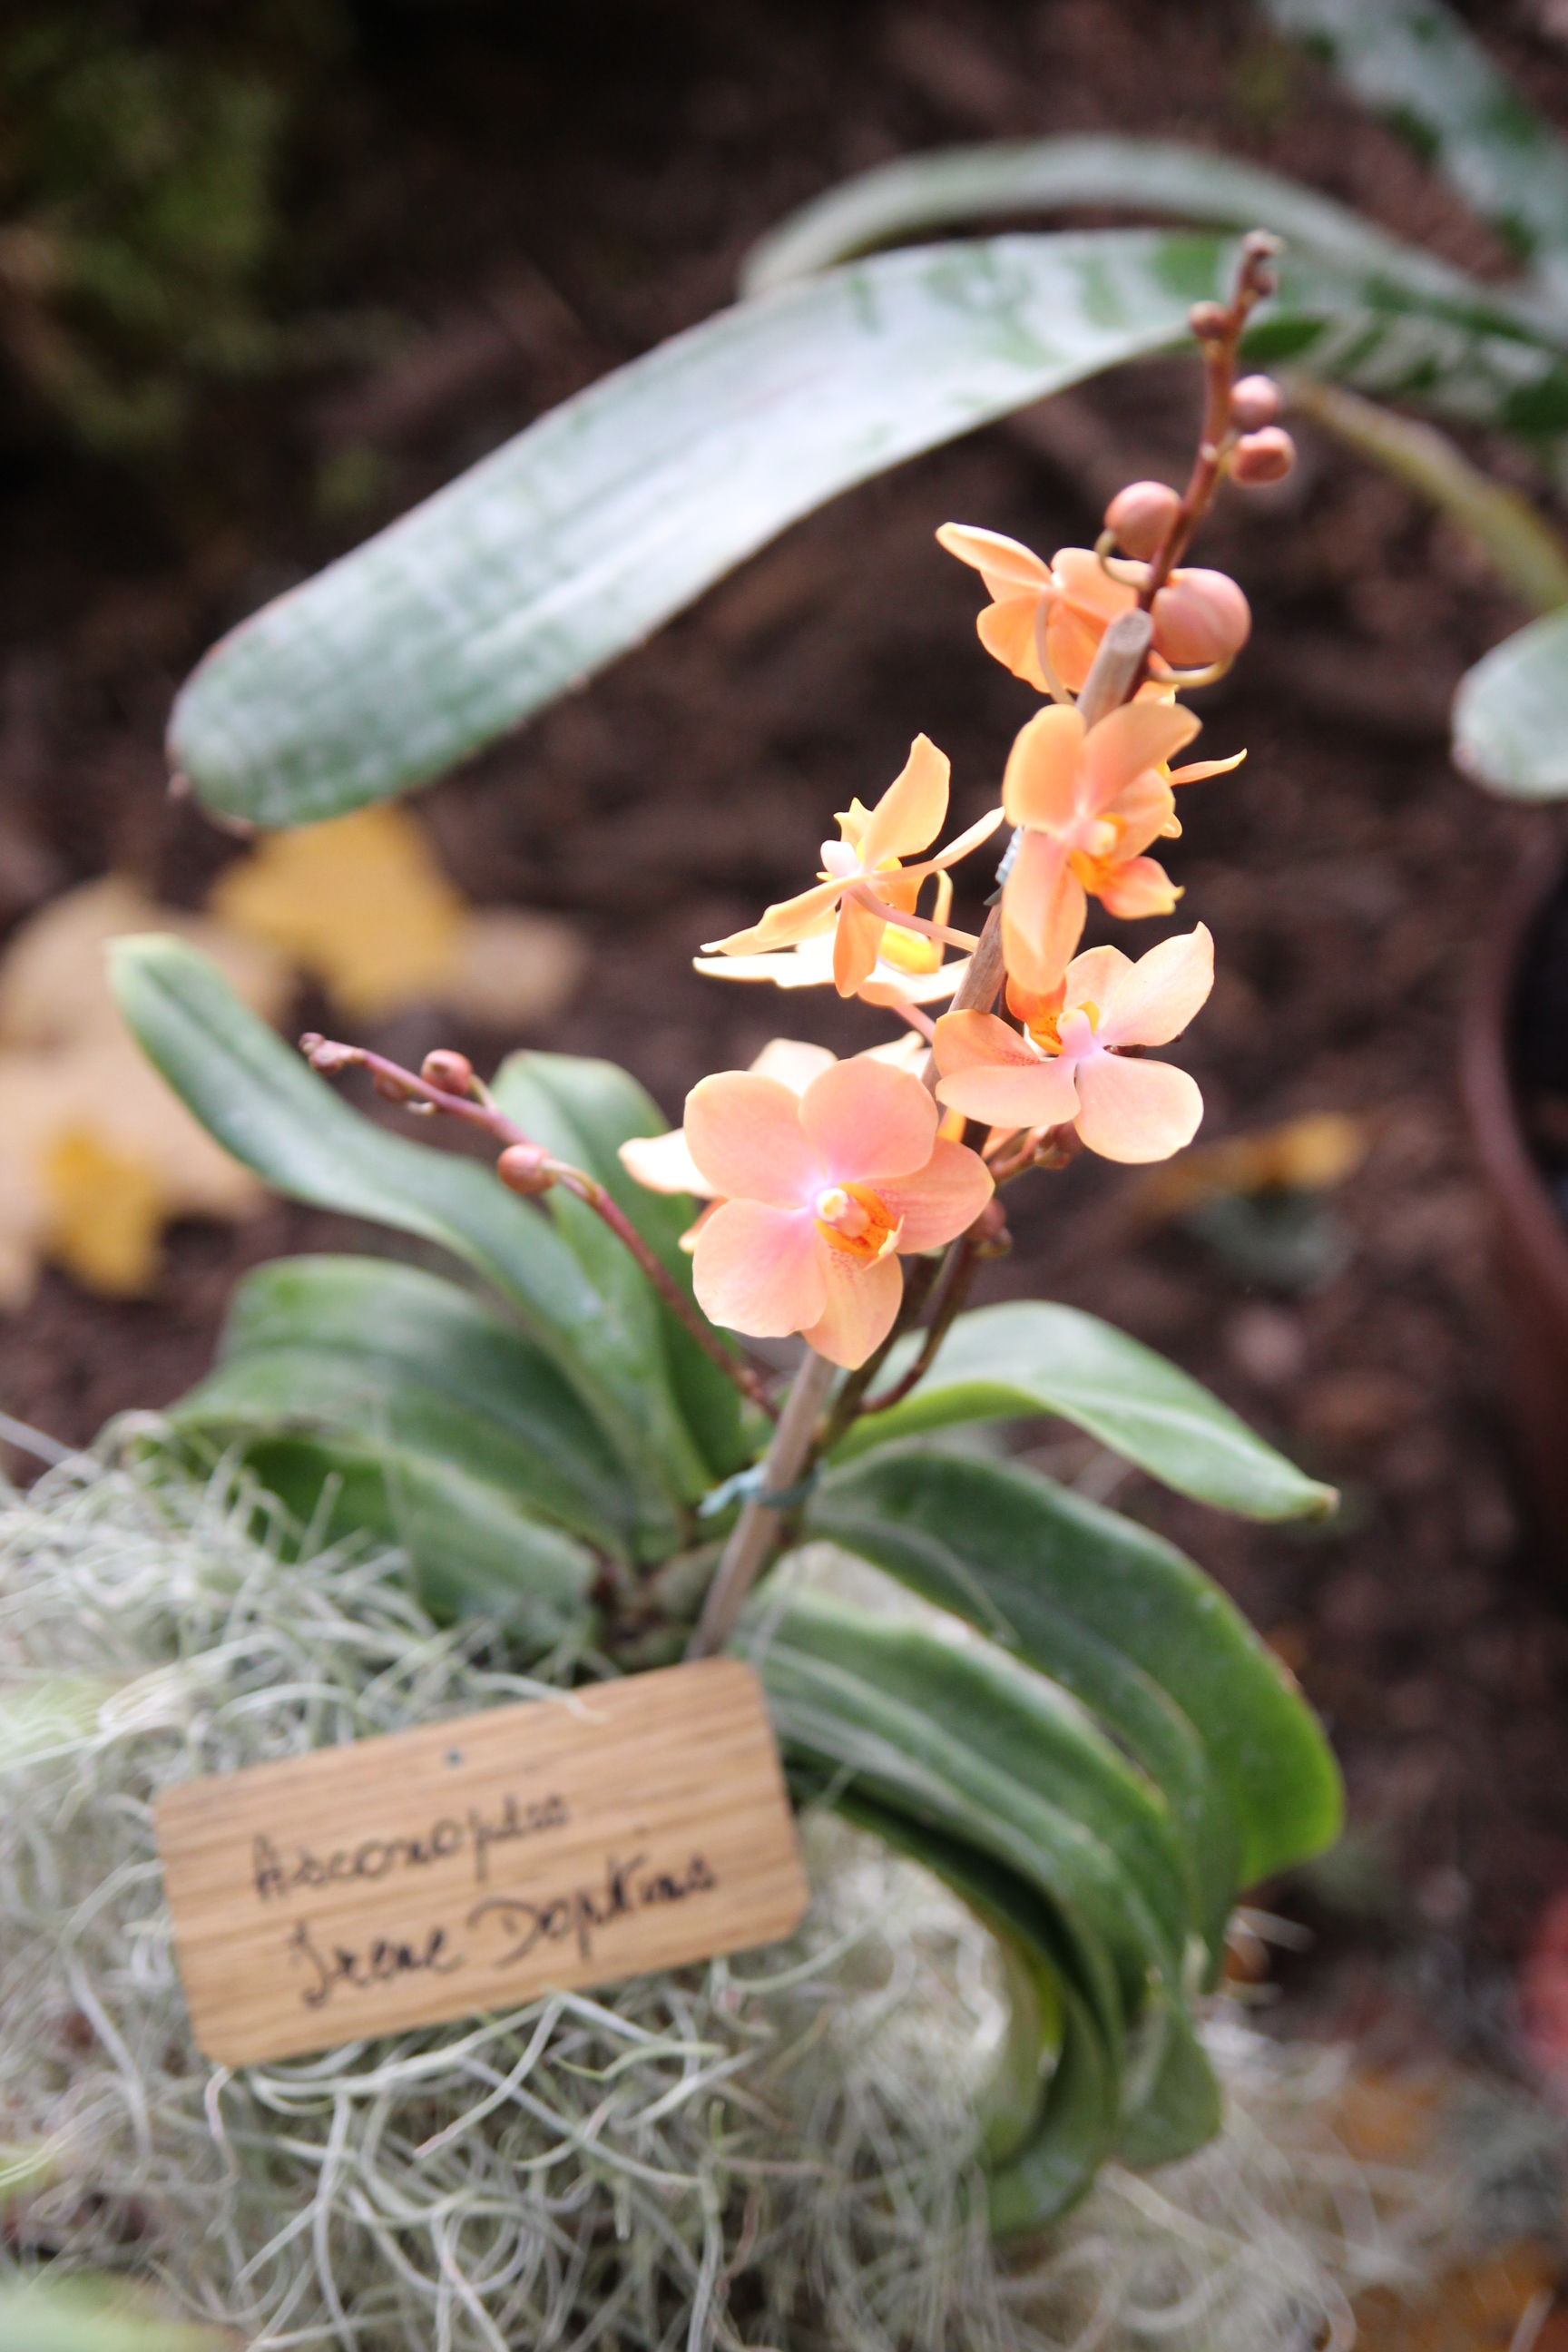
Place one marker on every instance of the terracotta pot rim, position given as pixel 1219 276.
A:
pixel 1487 1084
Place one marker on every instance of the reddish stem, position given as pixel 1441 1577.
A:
pixel 329 1057
pixel 1253 282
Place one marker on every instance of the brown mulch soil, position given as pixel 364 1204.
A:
pixel 547 192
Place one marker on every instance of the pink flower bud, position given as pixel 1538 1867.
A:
pixel 1200 617
pixel 1142 516
pixel 452 1073
pixel 521 1168
pixel 393 1087
pixel 1266 457
pixel 325 1054
pixel 1208 320
pixel 1254 403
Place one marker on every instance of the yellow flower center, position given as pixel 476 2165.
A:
pixel 852 1218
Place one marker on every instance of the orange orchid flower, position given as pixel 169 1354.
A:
pixel 1067 606
pixel 818 1194
pixel 865 889
pixel 1045 621
pixel 1089 801
pixel 1066 1065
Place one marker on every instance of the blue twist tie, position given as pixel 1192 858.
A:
pixel 748 1486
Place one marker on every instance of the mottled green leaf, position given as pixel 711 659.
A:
pixel 584 1111
pixel 1024 1560
pixel 1003 1362
pixel 1511 714
pixel 262 1102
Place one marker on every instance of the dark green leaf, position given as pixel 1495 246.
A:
pixel 1003 1362
pixel 585 1110
pixel 262 1103
pixel 358 1347
pixel 1511 714
pixel 1018 1556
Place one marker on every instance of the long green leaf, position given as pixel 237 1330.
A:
pixel 1511 714
pixel 1003 1362
pixel 262 1103
pixel 1075 2118
pixel 1020 1558
pixel 359 1346
pixel 585 1110
pixel 1415 62
pixel 473 1549
pixel 983 1748
pixel 948 187
pixel 576 539
pixel 97 2314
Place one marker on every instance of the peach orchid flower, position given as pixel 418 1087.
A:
pixel 818 1194
pixel 1089 801
pixel 863 873
pixel 1045 621
pixel 1068 604
pixel 908 970
pixel 1068 1066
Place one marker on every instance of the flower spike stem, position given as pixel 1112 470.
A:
pixel 1114 678
pixel 755 1531
pixel 1219 330
pixel 394 1084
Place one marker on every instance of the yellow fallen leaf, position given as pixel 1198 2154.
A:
pixel 363 905
pixel 97 1153
pixel 1304 1155
pixel 53 987
pixel 106 1214
pixel 359 904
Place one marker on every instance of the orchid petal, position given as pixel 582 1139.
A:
pixel 942 1201
pixel 755 1269
pixel 793 1063
pixel 1136 1111
pixel 1118 747
pixel 1004 564
pixel 1096 977
pixel 781 926
pixel 855 945
pixel 1011 1096
pixel 861 1303
pixel 890 987
pixel 970 838
pixel 1078 574
pixel 965 1040
pixel 1196 770
pixel 1073 641
pixel 1142 886
pixel 1142 813
pixel 1154 999
pixel 868 1121
pixel 1006 630
pixel 1043 913
pixel 664 1164
pixel 1040 785
pixel 912 809
pixel 745 1135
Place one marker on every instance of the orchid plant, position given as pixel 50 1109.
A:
pixel 1086 1741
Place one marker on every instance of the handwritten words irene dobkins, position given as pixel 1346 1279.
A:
pixel 468 1866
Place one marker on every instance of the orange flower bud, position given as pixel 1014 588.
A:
pixel 1200 617
pixel 1142 516
pixel 1254 403
pixel 1266 457
pixel 521 1168
pixel 452 1073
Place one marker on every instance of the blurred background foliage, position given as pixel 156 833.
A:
pixel 145 158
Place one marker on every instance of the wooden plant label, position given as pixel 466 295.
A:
pixel 468 1866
